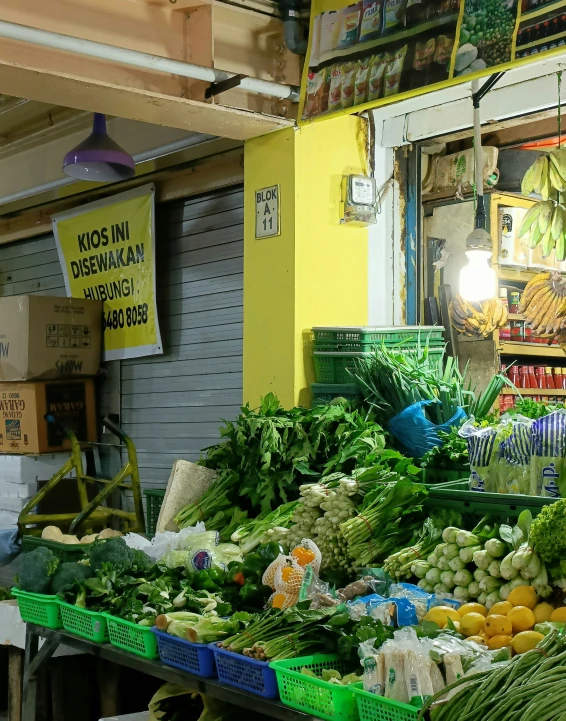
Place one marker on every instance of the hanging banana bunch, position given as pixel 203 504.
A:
pixel 543 303
pixel 545 221
pixel 477 319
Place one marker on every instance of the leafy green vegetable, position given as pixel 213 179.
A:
pixel 548 532
pixel 68 574
pixel 251 533
pixel 452 453
pixel 268 453
pixel 37 569
pixel 533 409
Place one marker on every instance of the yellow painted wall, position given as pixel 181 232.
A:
pixel 315 272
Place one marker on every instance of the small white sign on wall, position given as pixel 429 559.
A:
pixel 267 220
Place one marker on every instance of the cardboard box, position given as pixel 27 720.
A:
pixel 23 428
pixel 43 338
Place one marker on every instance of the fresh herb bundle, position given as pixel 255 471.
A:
pixel 269 452
pixel 453 452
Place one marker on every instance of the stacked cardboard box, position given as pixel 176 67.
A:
pixel 49 350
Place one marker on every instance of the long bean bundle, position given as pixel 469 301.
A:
pixel 531 687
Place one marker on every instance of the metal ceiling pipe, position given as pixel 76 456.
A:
pixel 141 157
pixel 135 58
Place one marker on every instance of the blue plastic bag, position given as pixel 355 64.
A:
pixel 416 433
pixel 10 545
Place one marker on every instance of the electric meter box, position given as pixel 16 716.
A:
pixel 359 200
pixel 44 338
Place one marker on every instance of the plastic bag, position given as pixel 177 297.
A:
pixel 482 454
pixel 162 705
pixel 548 461
pixel 416 433
pixel 514 471
pixel 10 545
pixel 162 543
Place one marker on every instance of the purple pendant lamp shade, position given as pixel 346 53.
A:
pixel 98 157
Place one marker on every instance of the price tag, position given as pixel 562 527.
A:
pixel 267 221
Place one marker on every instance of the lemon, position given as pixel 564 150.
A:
pixel 472 608
pixel 542 612
pixel 559 614
pixel 522 618
pixel 500 609
pixel 477 639
pixel 472 624
pixel 441 614
pixel 523 596
pixel 526 641
pixel 498 626
pixel 496 642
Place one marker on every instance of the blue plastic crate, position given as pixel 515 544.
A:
pixel 245 673
pixel 196 658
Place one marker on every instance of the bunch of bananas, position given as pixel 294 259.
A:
pixel 477 319
pixel 543 304
pixel 545 222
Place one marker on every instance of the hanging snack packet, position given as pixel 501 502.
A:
pixel 335 94
pixel 393 14
pixel 350 29
pixel 349 71
pixel 362 82
pixel 394 72
pixel 377 76
pixel 548 460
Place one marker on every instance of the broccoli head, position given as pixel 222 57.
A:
pixel 141 561
pixel 37 569
pixel 69 574
pixel 113 551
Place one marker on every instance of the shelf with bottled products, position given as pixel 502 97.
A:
pixel 538 9
pixel 537 350
pixel 557 392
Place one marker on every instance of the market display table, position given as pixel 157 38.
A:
pixel 36 657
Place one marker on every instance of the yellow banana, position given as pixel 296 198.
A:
pixel 535 283
pixel 537 319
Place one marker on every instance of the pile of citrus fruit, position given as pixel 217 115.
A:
pixel 507 623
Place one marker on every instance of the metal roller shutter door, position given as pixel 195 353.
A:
pixel 172 405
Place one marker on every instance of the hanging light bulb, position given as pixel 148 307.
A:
pixel 478 280
pixel 98 157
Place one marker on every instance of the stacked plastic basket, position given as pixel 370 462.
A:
pixel 336 349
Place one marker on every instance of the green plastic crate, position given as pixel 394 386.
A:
pixel 63 551
pixel 327 392
pixel 372 707
pixel 80 621
pixel 312 695
pixel 154 498
pixel 39 608
pixel 333 367
pixel 363 339
pixel 441 475
pixel 131 637
pixel 501 505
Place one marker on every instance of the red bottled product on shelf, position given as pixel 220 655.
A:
pixel 523 377
pixel 539 373
pixel 549 380
pixel 558 380
pixel 532 378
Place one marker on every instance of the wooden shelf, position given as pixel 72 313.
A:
pixel 558 392
pixel 515 274
pixel 531 349
pixel 516 316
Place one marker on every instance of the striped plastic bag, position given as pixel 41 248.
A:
pixel 548 459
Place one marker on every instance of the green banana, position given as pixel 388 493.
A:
pixel 545 215
pixel 547 243
pixel 531 216
pixel 535 237
pixel 527 184
pixel 560 249
pixel 558 159
pixel 556 180
pixel 538 172
pixel 557 224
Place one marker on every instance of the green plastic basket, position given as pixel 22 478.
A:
pixel 441 475
pixel 363 339
pixel 38 608
pixel 333 367
pixel 80 621
pixel 63 551
pixel 372 707
pixel 131 637
pixel 312 695
pixel 154 498
pixel 326 392
pixel 501 505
